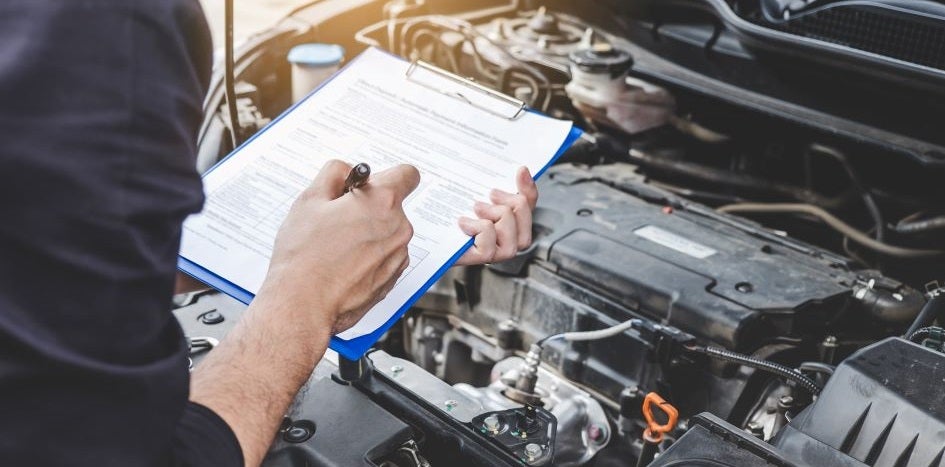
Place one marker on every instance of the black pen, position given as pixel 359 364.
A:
pixel 357 177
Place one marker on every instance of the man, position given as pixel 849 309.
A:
pixel 100 101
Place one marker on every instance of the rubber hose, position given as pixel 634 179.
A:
pixel 934 308
pixel 764 365
pixel 923 226
pixel 921 334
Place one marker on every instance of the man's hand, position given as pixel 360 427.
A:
pixel 334 257
pixel 503 228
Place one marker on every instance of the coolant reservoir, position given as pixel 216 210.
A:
pixel 602 91
pixel 312 64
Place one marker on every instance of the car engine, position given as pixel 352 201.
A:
pixel 736 265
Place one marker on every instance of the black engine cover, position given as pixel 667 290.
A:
pixel 719 279
pixel 882 407
pixel 610 247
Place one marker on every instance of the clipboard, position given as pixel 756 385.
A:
pixel 494 103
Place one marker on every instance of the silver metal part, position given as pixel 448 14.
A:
pixel 492 423
pixel 200 344
pixel 427 387
pixel 203 342
pixel 533 451
pixel 508 107
pixel 582 424
pixel 766 421
pixel 523 391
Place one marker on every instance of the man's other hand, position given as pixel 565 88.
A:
pixel 504 227
pixel 337 254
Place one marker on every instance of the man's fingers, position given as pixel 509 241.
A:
pixel 401 179
pixel 484 248
pixel 523 215
pixel 505 227
pixel 329 184
pixel 526 186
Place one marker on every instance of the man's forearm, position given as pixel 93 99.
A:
pixel 251 378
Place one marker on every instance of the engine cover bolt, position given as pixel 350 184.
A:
pixel 533 451
pixel 492 423
pixel 757 429
pixel 299 431
pixel 212 317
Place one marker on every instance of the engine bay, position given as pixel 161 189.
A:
pixel 736 265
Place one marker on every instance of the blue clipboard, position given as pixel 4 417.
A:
pixel 351 349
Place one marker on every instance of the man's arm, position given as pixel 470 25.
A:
pixel 334 258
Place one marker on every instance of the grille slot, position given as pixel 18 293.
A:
pixel 916 40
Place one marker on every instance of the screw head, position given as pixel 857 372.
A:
pixel 212 317
pixel 397 369
pixel 450 404
pixel 757 429
pixel 492 423
pixel 744 287
pixel 532 450
pixel 595 433
pixel 299 431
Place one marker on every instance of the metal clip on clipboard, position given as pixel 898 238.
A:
pixel 468 91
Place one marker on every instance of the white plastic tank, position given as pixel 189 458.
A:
pixel 604 93
pixel 312 64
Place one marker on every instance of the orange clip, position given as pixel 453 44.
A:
pixel 654 431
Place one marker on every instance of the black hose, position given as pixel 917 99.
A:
pixel 763 365
pixel 718 176
pixel 934 308
pixel 229 74
pixel 879 225
pixel 921 334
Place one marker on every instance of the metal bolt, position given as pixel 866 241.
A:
pixel 397 369
pixel 595 433
pixel 829 349
pixel 211 317
pixel 296 434
pixel 533 451
pixel 757 429
pixel 299 431
pixel 450 405
pixel 492 423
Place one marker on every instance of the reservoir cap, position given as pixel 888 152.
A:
pixel 602 58
pixel 316 55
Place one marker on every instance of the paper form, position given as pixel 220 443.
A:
pixel 368 113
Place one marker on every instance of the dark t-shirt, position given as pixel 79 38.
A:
pixel 100 101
